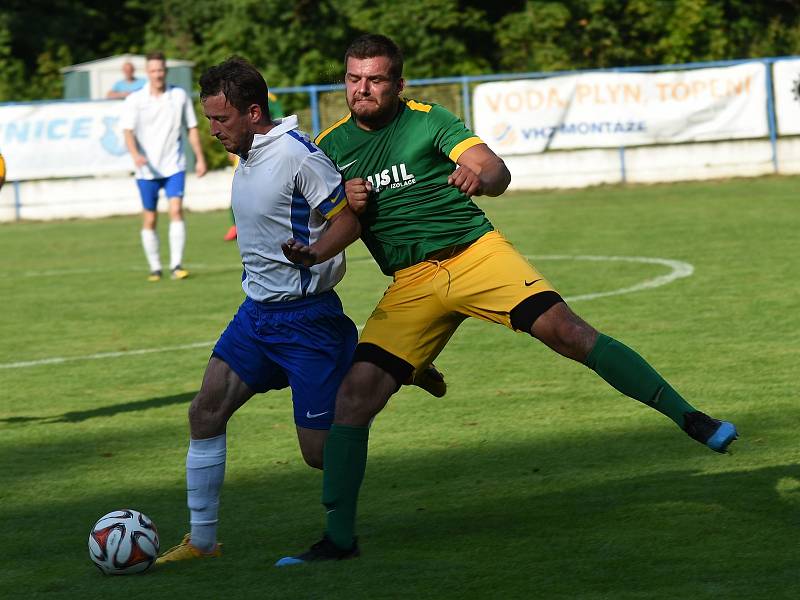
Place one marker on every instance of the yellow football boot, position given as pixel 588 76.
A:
pixel 185 551
pixel 179 273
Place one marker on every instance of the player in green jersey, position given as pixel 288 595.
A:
pixel 417 211
pixel 412 169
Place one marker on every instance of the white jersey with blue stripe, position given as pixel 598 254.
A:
pixel 285 187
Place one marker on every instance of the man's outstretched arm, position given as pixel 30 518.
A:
pixel 480 172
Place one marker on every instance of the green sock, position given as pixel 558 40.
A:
pixel 629 373
pixel 345 460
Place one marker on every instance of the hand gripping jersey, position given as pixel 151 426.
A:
pixel 413 211
pixel 285 187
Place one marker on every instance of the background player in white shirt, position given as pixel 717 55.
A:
pixel 153 120
pixel 288 200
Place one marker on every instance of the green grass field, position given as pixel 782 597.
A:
pixel 531 479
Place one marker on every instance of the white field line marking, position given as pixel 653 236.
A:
pixel 128 269
pixel 58 360
pixel 678 270
pixel 201 267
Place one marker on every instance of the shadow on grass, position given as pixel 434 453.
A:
pixel 78 416
pixel 533 519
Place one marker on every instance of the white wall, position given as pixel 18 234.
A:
pixel 106 196
pixel 652 164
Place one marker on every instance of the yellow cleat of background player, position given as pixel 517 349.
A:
pixel 179 273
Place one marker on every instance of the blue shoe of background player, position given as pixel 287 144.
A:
pixel 715 434
pixel 324 549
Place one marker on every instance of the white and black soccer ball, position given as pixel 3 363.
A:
pixel 123 542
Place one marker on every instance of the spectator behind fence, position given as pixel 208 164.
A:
pixel 128 84
pixel 152 121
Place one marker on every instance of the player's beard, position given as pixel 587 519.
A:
pixel 245 145
pixel 377 118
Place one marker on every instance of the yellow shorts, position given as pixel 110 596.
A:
pixel 2 167
pixel 423 307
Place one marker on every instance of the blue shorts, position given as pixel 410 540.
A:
pixel 149 188
pixel 306 344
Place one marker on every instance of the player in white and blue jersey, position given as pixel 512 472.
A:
pixel 152 121
pixel 289 201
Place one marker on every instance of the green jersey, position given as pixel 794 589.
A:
pixel 413 211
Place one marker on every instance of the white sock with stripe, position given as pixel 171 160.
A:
pixel 177 240
pixel 205 471
pixel 150 245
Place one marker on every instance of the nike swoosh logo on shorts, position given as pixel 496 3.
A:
pixel 343 167
pixel 310 416
pixel 532 282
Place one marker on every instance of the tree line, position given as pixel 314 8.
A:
pixel 301 42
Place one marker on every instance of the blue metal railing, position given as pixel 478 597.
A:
pixel 466 80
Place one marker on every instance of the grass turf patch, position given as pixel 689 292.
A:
pixel 532 478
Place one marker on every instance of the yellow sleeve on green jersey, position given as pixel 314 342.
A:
pixel 449 133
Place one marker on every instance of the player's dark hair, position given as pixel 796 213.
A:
pixel 371 45
pixel 241 83
pixel 155 56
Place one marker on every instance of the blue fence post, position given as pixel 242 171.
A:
pixel 771 122
pixel 17 202
pixel 466 102
pixel 623 174
pixel 312 92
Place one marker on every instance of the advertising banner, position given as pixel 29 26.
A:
pixel 607 109
pixel 62 139
pixel 786 85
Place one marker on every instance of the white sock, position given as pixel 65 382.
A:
pixel 177 240
pixel 205 470
pixel 150 245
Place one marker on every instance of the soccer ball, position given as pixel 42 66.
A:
pixel 123 542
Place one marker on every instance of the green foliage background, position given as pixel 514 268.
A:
pixel 299 42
